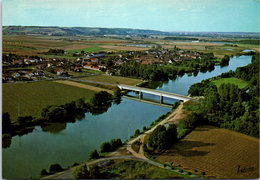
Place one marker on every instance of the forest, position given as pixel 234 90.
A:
pixel 228 106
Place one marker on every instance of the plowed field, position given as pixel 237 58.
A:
pixel 220 153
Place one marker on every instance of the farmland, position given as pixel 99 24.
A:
pixel 36 45
pixel 21 99
pixel 218 152
pixel 232 80
pixel 112 79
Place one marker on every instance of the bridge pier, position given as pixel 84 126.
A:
pixel 140 95
pixel 161 99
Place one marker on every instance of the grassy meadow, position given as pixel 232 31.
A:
pixel 232 80
pixel 132 169
pixel 112 79
pixel 30 98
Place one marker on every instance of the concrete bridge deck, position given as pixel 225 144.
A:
pixel 162 94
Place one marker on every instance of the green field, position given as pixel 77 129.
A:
pixel 90 49
pixel 137 170
pixel 30 98
pixel 113 79
pixel 240 83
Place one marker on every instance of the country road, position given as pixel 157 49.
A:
pixel 173 117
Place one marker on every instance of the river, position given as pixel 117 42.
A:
pixel 72 142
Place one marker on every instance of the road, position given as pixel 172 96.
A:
pixel 174 117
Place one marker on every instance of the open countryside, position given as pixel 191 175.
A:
pixel 120 94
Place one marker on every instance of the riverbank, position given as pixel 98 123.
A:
pixel 126 152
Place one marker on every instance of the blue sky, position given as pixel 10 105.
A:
pixel 165 15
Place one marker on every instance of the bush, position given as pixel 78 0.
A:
pixel 53 168
pixel 94 155
pixel 81 172
pixel 43 172
pixel 115 143
pixel 137 132
pixel 6 122
pixel 189 173
pixel 105 147
pixel 75 164
pixel 22 120
pixel 195 170
pixel 175 105
pixel 203 173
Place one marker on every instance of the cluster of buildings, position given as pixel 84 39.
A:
pixel 104 61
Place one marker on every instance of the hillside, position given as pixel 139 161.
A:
pixel 61 31
pixel 97 31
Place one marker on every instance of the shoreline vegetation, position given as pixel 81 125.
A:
pixel 244 111
pixel 69 112
pixel 183 128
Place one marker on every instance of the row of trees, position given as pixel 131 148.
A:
pixel 156 72
pixel 68 112
pixel 55 51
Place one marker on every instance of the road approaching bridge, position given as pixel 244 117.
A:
pixel 162 94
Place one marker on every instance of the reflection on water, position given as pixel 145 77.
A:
pixel 67 143
pixel 55 143
pixel 54 127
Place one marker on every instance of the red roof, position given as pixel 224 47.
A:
pixel 59 70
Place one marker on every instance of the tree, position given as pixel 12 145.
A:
pixel 115 143
pixel 6 122
pixel 94 154
pixel 137 132
pixel 101 98
pixel 105 147
pixel 22 120
pixel 117 96
pixel 43 172
pixel 53 168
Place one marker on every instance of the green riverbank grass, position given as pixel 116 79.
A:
pixel 232 80
pixel 24 99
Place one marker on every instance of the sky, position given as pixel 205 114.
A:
pixel 164 15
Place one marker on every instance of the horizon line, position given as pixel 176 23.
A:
pixel 135 29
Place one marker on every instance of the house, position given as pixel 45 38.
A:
pixel 108 72
pixel 39 73
pixel 29 75
pixel 95 60
pixel 49 64
pixel 77 69
pixel 17 62
pixel 16 75
pixel 91 67
pixel 60 72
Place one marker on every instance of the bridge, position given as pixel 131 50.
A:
pixel 162 94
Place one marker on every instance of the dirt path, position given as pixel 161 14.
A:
pixel 84 86
pixel 126 152
pixel 174 117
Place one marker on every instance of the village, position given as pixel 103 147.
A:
pixel 24 68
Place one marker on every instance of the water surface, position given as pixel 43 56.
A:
pixel 72 142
